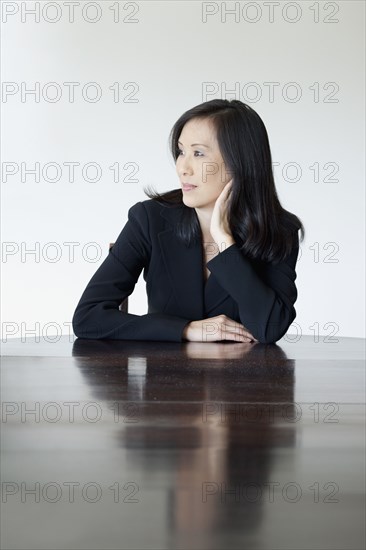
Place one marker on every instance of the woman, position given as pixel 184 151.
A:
pixel 218 254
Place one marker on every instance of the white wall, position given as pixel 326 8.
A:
pixel 170 53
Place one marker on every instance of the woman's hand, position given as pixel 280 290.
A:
pixel 216 329
pixel 219 227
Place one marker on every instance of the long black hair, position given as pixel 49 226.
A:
pixel 260 226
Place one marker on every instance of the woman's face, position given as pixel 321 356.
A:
pixel 200 164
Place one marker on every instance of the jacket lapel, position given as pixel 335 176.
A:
pixel 214 294
pixel 185 268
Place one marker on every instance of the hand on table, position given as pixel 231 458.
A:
pixel 216 329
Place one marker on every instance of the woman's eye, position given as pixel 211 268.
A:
pixel 180 152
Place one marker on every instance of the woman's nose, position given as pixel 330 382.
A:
pixel 185 166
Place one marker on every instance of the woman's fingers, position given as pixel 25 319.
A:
pixel 237 328
pixel 231 330
pixel 215 329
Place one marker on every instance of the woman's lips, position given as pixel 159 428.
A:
pixel 187 187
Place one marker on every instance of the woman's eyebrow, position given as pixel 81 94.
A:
pixel 195 144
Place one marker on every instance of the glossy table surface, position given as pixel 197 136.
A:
pixel 155 445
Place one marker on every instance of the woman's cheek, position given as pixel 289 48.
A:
pixel 206 169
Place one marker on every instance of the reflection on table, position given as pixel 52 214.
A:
pixel 190 445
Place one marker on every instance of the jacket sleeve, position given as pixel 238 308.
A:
pixel 265 297
pixel 97 314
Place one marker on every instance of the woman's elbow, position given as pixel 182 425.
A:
pixel 77 325
pixel 81 327
pixel 274 331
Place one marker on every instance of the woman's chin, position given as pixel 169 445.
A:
pixel 189 201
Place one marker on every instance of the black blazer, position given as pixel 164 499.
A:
pixel 260 295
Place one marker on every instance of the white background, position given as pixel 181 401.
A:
pixel 169 52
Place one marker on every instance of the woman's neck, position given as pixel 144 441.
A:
pixel 204 218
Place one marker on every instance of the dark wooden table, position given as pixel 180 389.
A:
pixel 153 445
